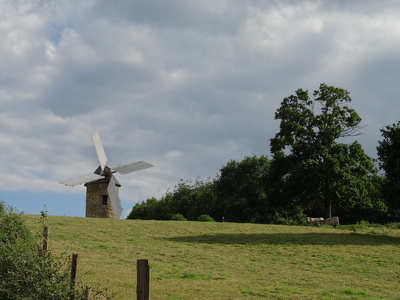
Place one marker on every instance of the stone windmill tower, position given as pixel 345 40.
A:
pixel 102 188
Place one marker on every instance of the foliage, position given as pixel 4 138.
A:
pixel 288 217
pixel 393 225
pixel 245 192
pixel 25 272
pixel 205 218
pixel 241 190
pixel 187 199
pixel 312 172
pixel 310 168
pixel 389 161
pixel 145 210
pixel 363 225
pixel 238 194
pixel 178 217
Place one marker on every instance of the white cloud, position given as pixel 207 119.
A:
pixel 184 85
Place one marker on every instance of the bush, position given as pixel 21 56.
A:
pixel 292 216
pixel 25 272
pixel 362 225
pixel 205 218
pixel 178 217
pixel 393 225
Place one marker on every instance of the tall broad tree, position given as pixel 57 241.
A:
pixel 389 161
pixel 310 167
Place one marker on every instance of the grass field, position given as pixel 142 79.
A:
pixel 195 260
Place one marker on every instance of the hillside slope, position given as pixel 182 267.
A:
pixel 195 260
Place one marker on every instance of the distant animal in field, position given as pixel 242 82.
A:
pixel 334 221
pixel 315 221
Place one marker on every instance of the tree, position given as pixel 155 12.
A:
pixel 144 210
pixel 389 161
pixel 241 190
pixel 310 168
pixel 203 193
pixel 187 199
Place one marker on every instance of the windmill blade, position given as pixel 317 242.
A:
pixel 116 203
pixel 140 165
pixel 82 179
pixel 98 146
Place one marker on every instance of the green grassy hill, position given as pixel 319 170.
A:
pixel 195 260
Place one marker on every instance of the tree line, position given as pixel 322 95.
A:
pixel 316 168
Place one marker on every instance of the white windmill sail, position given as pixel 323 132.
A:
pixel 133 167
pixel 98 146
pixel 115 202
pixel 82 179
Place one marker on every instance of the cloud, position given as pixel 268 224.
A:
pixel 187 86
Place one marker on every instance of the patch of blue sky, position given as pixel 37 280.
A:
pixel 34 203
pixel 70 205
pixel 56 32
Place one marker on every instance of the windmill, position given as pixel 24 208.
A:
pixel 102 188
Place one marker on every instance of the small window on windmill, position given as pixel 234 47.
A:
pixel 105 200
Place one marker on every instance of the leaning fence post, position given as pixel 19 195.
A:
pixel 143 279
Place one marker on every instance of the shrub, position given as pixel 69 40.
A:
pixel 25 272
pixel 205 218
pixel 295 216
pixel 393 225
pixel 362 225
pixel 178 217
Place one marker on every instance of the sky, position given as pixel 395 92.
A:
pixel 184 85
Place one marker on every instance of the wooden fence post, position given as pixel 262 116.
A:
pixel 74 268
pixel 88 289
pixel 143 279
pixel 45 239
